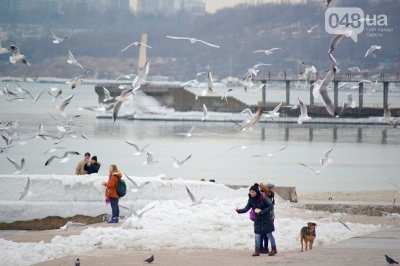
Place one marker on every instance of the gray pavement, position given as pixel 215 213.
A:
pixel 364 250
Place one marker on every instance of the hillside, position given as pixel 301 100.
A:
pixel 97 38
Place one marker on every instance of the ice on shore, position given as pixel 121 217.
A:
pixel 172 224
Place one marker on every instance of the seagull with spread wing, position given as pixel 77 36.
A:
pixel 268 51
pixel 193 41
pixel 63 159
pixel 254 120
pixel 178 163
pixel 72 60
pixel 136 44
pixel 26 189
pixel 271 153
pixel 135 185
pixel 194 201
pixel 57 39
pixel 20 167
pixel 16 56
pixel 138 150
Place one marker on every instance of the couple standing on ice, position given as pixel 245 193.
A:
pixel 262 204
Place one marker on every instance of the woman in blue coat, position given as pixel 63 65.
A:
pixel 263 223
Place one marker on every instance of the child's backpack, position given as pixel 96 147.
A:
pixel 121 188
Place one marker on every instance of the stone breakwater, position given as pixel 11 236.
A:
pixel 370 209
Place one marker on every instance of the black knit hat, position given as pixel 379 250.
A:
pixel 87 154
pixel 255 187
pixel 94 158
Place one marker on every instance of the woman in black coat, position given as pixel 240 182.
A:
pixel 93 167
pixel 263 223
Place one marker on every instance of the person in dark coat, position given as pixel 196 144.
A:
pixel 263 220
pixel 93 167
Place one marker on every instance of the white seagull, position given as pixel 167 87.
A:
pixel 238 146
pixel 138 150
pixel 135 185
pixel 72 60
pixel 274 112
pixel 63 159
pixel 309 30
pixel 254 120
pixel 225 95
pixel 349 103
pixel 189 133
pixel 205 113
pixel 193 41
pixel 323 90
pixel 26 189
pixel 71 224
pixel 138 215
pixel 194 201
pixel 317 172
pixel 178 163
pixel 270 154
pixel 64 104
pixel 387 117
pixel 77 80
pixel 268 51
pixel 303 112
pixel 16 56
pixel 325 160
pixel 3 50
pixel 340 34
pixel 136 44
pixel 56 38
pixel 150 159
pixel 107 96
pixel 20 167
pixel 123 97
pixel 126 76
pixel 371 49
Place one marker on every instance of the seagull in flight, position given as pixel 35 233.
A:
pixel 325 160
pixel 238 146
pixel 138 215
pixel 3 50
pixel 317 172
pixel 271 153
pixel 303 112
pixel 268 51
pixel 387 117
pixel 71 224
pixel 274 112
pixel 340 34
pixel 372 49
pixel 189 133
pixel 193 41
pixel 73 83
pixel 178 163
pixel 120 99
pixel 56 38
pixel 107 96
pixel 194 201
pixel 136 44
pixel 72 60
pixel 323 91
pixel 349 103
pixel 254 120
pixel 309 30
pixel 63 159
pixel 20 167
pixel 138 150
pixel 64 104
pixel 26 189
pixel 135 185
pixel 195 80
pixel 205 113
pixel 16 56
pixel 150 159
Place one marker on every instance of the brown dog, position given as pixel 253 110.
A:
pixel 307 234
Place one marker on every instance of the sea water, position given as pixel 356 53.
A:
pixel 365 157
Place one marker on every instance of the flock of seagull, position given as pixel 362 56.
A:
pixel 320 89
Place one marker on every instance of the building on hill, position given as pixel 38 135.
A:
pixel 58 5
pixel 169 7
